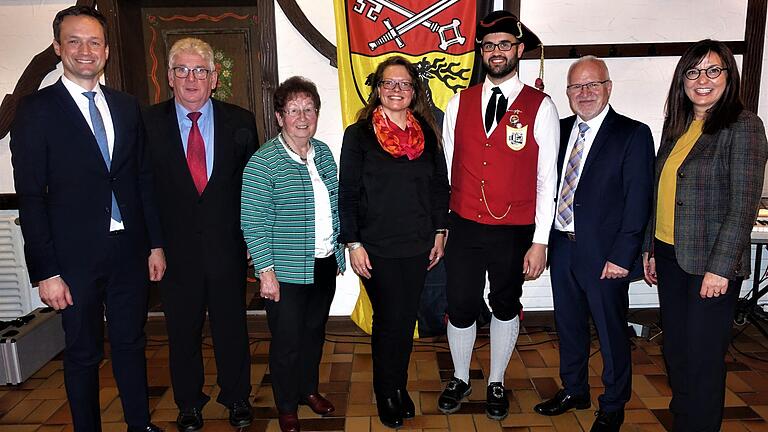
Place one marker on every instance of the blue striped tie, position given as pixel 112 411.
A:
pixel 571 179
pixel 100 132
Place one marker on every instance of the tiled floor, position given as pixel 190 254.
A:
pixel 40 403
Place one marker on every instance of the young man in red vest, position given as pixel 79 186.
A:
pixel 502 164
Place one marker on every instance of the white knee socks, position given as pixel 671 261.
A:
pixel 503 339
pixel 461 342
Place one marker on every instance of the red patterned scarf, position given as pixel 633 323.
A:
pixel 395 141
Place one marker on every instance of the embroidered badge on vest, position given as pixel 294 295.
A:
pixel 516 132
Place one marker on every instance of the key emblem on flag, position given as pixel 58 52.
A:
pixel 435 35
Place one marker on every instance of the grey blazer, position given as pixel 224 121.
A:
pixel 719 185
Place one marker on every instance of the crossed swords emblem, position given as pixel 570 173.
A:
pixel 449 33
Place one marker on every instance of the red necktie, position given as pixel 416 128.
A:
pixel 196 154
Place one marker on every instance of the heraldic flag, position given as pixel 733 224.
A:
pixel 436 35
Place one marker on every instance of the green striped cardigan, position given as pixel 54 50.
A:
pixel 278 211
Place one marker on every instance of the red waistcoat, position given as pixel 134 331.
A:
pixel 503 165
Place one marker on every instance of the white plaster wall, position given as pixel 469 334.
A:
pixel 25 30
pixel 639 84
pixel 563 22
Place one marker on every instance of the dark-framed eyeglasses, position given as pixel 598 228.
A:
pixel 711 72
pixel 503 46
pixel 591 86
pixel 183 72
pixel 309 112
pixel 391 84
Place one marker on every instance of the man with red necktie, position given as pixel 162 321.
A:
pixel 199 147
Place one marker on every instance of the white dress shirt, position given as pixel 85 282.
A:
pixel 589 138
pixel 101 103
pixel 547 133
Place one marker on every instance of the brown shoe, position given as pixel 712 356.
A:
pixel 289 422
pixel 318 404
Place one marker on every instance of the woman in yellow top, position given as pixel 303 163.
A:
pixel 709 178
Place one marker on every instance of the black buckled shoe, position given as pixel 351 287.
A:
pixel 496 403
pixel 189 420
pixel 407 408
pixel 390 412
pixel 607 421
pixel 240 413
pixel 563 402
pixel 450 399
pixel 150 428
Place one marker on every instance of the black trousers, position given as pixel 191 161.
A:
pixel 474 249
pixel 394 289
pixel 115 286
pixel 297 323
pixel 186 296
pixel 697 333
pixel 578 292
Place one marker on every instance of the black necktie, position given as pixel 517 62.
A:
pixel 497 105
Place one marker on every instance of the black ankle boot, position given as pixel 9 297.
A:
pixel 390 413
pixel 406 404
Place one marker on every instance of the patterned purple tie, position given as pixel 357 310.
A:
pixel 571 179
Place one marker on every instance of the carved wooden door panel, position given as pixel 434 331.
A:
pixel 242 36
pixel 229 31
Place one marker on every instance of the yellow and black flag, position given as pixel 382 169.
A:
pixel 436 35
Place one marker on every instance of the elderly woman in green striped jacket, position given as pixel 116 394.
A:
pixel 290 220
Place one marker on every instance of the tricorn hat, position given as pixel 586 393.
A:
pixel 505 22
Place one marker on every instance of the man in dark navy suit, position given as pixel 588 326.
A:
pixel 91 232
pixel 605 168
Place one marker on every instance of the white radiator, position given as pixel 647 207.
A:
pixel 17 296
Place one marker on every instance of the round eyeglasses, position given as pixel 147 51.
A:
pixel 309 112
pixel 503 46
pixel 183 72
pixel 711 72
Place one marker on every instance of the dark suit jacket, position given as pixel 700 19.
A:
pixel 718 190
pixel 65 189
pixel 613 198
pixel 208 226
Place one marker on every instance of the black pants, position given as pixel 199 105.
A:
pixel 117 286
pixel 394 289
pixel 187 295
pixel 697 333
pixel 297 323
pixel 474 249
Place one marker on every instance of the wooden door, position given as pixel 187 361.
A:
pixel 242 35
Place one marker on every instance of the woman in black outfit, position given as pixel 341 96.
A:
pixel 393 202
